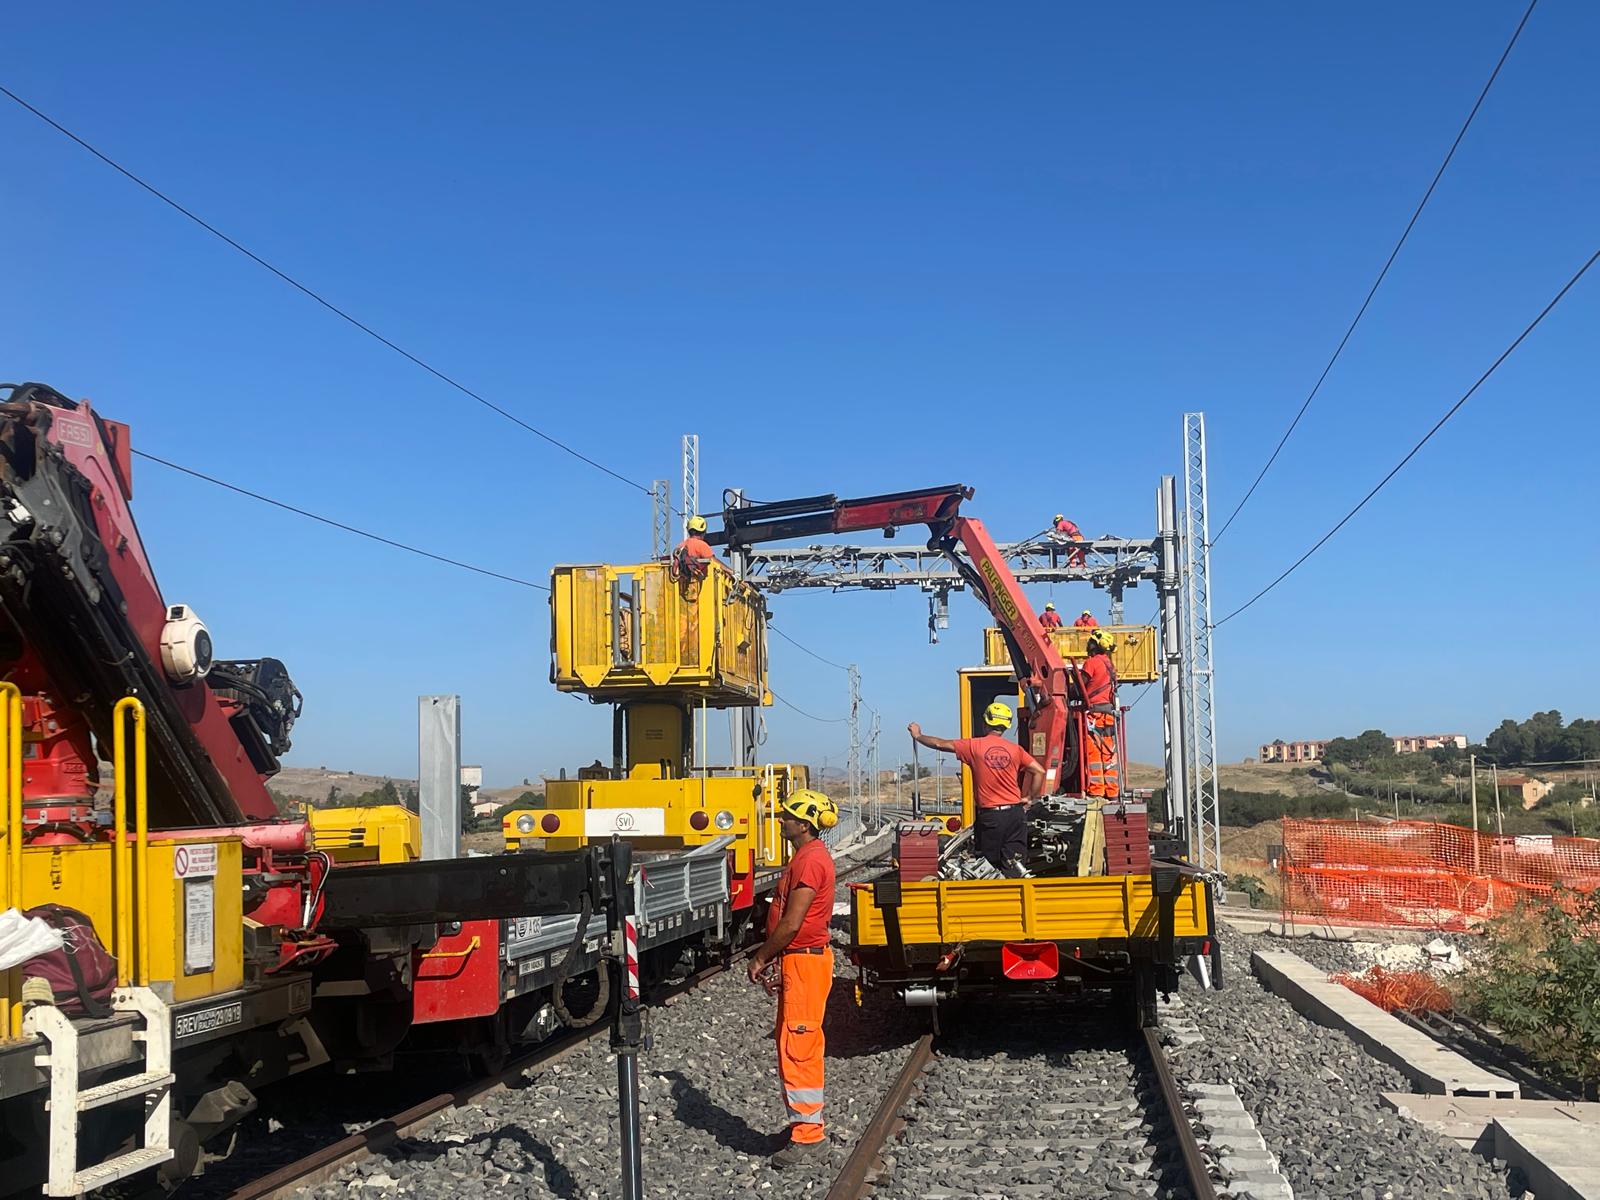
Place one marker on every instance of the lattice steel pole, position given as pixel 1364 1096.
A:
pixel 691 478
pixel 660 518
pixel 1200 693
pixel 1169 591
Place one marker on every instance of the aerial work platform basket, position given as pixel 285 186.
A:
pixel 623 633
pixel 1135 655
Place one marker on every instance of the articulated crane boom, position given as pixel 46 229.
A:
pixel 1043 674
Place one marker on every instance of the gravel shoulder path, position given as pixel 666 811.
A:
pixel 1314 1093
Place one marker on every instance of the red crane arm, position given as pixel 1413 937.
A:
pixel 1042 672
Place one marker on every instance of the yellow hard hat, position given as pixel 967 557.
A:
pixel 1049 607
pixel 1060 517
pixel 1102 639
pixel 998 715
pixel 812 807
pixel 1088 612
pixel 697 524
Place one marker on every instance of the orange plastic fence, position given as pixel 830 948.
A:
pixel 1421 874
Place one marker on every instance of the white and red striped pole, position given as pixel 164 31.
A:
pixel 630 958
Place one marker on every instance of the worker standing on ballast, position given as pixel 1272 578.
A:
pixel 797 938
pixel 1086 621
pixel 1005 778
pixel 1097 677
pixel 1050 618
pixel 693 556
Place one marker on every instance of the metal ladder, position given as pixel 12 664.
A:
pixel 152 1086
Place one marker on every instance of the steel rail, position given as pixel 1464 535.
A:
pixel 851 1182
pixel 1194 1163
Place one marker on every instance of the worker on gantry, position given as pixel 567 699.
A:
pixel 1097 678
pixel 797 938
pixel 1005 778
pixel 1050 618
pixel 693 556
pixel 1069 530
pixel 1086 621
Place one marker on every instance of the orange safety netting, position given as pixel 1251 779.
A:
pixel 1422 874
pixel 1399 991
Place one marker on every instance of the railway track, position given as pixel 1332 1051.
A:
pixel 1040 1109
pixel 325 1161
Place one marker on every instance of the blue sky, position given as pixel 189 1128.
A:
pixel 857 249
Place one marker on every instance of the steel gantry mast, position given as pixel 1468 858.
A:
pixel 1176 562
pixel 1199 707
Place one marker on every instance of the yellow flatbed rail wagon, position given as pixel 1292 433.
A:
pixel 935 939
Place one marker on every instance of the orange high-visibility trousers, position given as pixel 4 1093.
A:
pixel 1102 778
pixel 807 980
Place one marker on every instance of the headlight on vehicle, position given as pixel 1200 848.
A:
pixel 525 823
pixel 724 819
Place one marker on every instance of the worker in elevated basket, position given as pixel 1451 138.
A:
pixel 1050 618
pixel 1086 621
pixel 1097 678
pixel 693 556
pixel 797 938
pixel 1005 777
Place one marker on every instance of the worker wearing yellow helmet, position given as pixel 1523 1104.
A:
pixel 1097 680
pixel 693 557
pixel 797 938
pixel 1085 620
pixel 1050 618
pixel 1005 778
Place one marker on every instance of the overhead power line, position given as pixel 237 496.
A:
pixel 300 512
pixel 1438 425
pixel 825 661
pixel 305 290
pixel 1378 282
pixel 804 713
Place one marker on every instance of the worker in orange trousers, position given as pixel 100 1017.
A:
pixel 797 939
pixel 1069 530
pixel 1097 678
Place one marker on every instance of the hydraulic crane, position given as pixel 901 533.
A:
pixel 1045 678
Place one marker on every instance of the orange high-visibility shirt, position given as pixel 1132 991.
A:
pixel 1050 620
pixel 996 763
pixel 1098 680
pixel 1086 622
pixel 811 867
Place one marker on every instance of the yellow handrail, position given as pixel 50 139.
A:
pixel 11 837
pixel 132 914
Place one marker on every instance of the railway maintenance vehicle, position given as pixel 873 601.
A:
pixel 250 945
pixel 1107 908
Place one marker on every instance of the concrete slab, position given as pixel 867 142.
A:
pixel 1429 1066
pixel 1558 1165
pixel 1265 920
pixel 1470 1119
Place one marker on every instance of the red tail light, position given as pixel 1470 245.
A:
pixel 550 822
pixel 1205 946
pixel 1030 960
pixel 953 824
pixel 699 819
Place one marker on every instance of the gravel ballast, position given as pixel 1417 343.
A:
pixel 710 1109
pixel 1314 1093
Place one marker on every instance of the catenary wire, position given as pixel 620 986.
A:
pixel 300 512
pixel 804 713
pixel 1395 470
pixel 825 661
pixel 318 297
pixel 1378 282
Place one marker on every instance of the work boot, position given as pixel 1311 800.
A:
pixel 797 1154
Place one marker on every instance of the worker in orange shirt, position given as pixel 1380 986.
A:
pixel 797 938
pixel 1086 621
pixel 1069 530
pixel 1050 618
pixel 1097 679
pixel 693 556
pixel 1005 777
